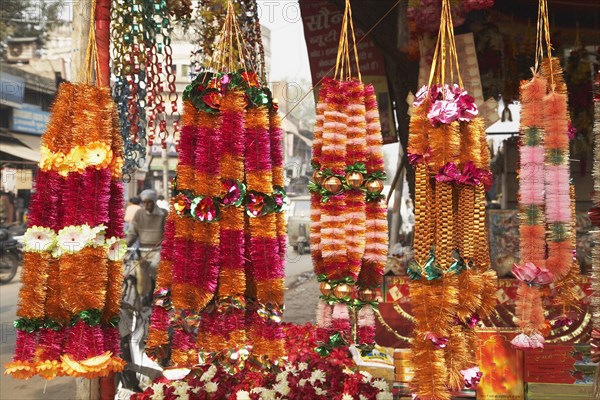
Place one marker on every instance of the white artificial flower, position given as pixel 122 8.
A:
pixel 157 388
pixel 209 374
pixel 181 389
pixel 347 396
pixel 116 249
pixel 38 238
pixel 72 239
pixel 302 382
pixel 384 396
pixel 268 394
pixel 282 388
pixel 211 387
pixel 196 390
pixel 320 392
pixel 366 376
pixel 98 235
pixel 302 366
pixel 242 395
pixel 317 375
pixel 282 376
pixel 381 385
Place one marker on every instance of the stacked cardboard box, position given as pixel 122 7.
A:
pixel 560 363
pixel 559 391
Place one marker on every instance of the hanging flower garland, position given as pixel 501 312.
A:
pixel 348 217
pixel 594 217
pixel 452 285
pixel 547 245
pixel 68 314
pixel 220 281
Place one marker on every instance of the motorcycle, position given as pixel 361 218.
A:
pixel 10 255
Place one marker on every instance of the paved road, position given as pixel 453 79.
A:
pixel 35 388
pixel 301 303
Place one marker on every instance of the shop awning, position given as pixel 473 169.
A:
pixel 21 151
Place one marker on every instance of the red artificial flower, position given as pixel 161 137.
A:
pixel 212 99
pixel 251 78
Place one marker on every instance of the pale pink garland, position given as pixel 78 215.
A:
pixel 531 193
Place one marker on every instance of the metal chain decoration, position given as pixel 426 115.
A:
pixel 210 17
pixel 143 66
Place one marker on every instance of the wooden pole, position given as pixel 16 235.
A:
pixel 86 389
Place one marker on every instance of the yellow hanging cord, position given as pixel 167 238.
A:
pixel 91 53
pixel 343 64
pixel 445 56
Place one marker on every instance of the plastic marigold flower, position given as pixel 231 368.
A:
pixel 46 158
pixel 76 159
pixel 38 238
pixel 98 154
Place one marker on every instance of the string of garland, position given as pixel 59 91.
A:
pixel 452 286
pixel 348 221
pixel 68 314
pixel 546 245
pixel 225 154
pixel 594 213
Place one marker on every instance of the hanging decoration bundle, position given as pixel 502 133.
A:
pixel 210 15
pixel 143 69
pixel 546 200
pixel 69 301
pixel 452 285
pixel 349 216
pixel 219 291
pixel 594 214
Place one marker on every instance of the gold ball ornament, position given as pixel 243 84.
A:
pixel 325 288
pixel 366 295
pixel 342 290
pixel 354 179
pixel 317 177
pixel 333 184
pixel 375 187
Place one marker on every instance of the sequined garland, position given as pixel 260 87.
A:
pixel 68 313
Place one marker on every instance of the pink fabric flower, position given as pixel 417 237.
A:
pixel 443 111
pixel 533 341
pixel 448 173
pixel 472 376
pixel 532 274
pixel 467 107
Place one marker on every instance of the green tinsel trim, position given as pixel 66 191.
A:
pixel 559 232
pixel 533 137
pixel 531 214
pixel 556 156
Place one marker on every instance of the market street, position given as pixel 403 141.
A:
pixel 301 302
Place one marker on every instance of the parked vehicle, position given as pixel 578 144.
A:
pixel 10 255
pixel 299 223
